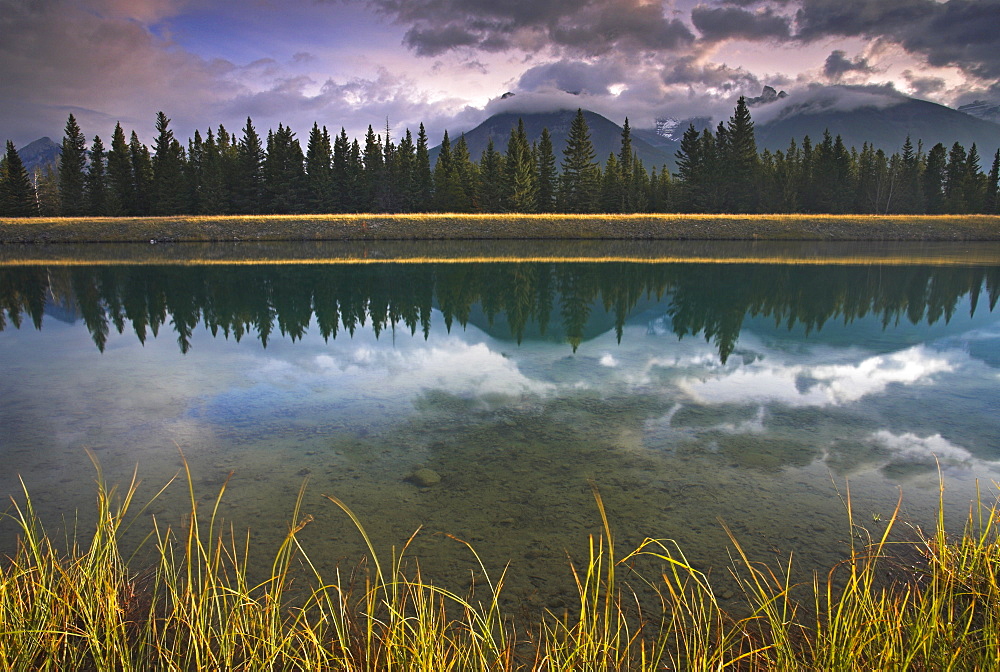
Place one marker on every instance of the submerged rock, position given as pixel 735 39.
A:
pixel 424 477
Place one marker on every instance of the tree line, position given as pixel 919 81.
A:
pixel 717 172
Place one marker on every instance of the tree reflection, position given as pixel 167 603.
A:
pixel 586 299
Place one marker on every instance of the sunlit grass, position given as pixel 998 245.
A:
pixel 83 605
pixel 452 226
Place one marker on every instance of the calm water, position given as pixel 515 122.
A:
pixel 691 394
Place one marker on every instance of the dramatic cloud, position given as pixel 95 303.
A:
pixel 721 23
pixel 595 27
pixel 960 33
pixel 837 65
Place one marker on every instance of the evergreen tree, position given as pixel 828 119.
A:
pixel 194 170
pixel 423 179
pixel 212 199
pixel 934 179
pixel 249 178
pixel 46 183
pixel 911 193
pixel 520 188
pixel 578 187
pixel 992 204
pixel 231 168
pixel 168 171
pixel 17 193
pixel 319 170
pixel 465 178
pixel 611 187
pixel 442 173
pixel 956 180
pixel 405 164
pixel 975 182
pixel 374 164
pixel 96 181
pixel 72 162
pixel 491 179
pixel 742 161
pixel 546 171
pixel 142 176
pixel 284 174
pixel 121 191
pixel 342 195
pixel 690 172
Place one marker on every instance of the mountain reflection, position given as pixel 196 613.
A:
pixel 565 301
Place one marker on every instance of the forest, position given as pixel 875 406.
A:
pixel 717 172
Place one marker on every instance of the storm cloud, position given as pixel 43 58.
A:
pixel 595 27
pixel 721 23
pixel 837 65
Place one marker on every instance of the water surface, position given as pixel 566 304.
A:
pixel 749 393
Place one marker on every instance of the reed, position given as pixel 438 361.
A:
pixel 931 601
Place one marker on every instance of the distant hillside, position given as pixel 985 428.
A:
pixel 40 153
pixel 884 126
pixel 605 135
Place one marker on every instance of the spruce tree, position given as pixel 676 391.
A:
pixel 17 193
pixel 578 187
pixel 72 162
pixel 993 186
pixel 404 169
pixel 284 173
pixel 194 173
pixel 690 172
pixel 520 188
pixel 168 196
pixel 213 197
pixel 955 181
pixel 142 176
pixel 319 170
pixel 442 175
pixel 249 178
pixel 547 176
pixel 423 179
pixel 611 187
pixel 934 178
pixel 120 190
pixel 373 174
pixel 341 196
pixel 96 181
pixel 742 160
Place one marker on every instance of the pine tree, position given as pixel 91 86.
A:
pixel 442 175
pixel 423 179
pixel 911 194
pixel 611 187
pixel 284 173
pixel 72 162
pixel 955 181
pixel 121 192
pixel 96 180
pixel 17 193
pixel 249 178
pixel 547 177
pixel 992 204
pixel 168 197
pixel 213 197
pixel 373 174
pixel 403 169
pixel 520 187
pixel 341 197
pixel 690 172
pixel 194 173
pixel 742 160
pixel 975 182
pixel 142 176
pixel 319 170
pixel 578 186
pixel 934 178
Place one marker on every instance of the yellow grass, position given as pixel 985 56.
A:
pixel 450 226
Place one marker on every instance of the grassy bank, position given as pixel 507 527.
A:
pixel 497 227
pixel 196 607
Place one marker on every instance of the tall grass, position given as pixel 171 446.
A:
pixel 930 602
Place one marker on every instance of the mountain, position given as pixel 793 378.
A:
pixel 40 153
pixel 982 109
pixel 884 121
pixel 605 135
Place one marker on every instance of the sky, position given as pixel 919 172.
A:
pixel 446 63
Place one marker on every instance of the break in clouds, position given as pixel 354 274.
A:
pixel 412 60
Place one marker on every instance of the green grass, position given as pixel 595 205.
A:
pixel 83 605
pixel 498 226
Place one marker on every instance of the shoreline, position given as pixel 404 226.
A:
pixel 408 227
